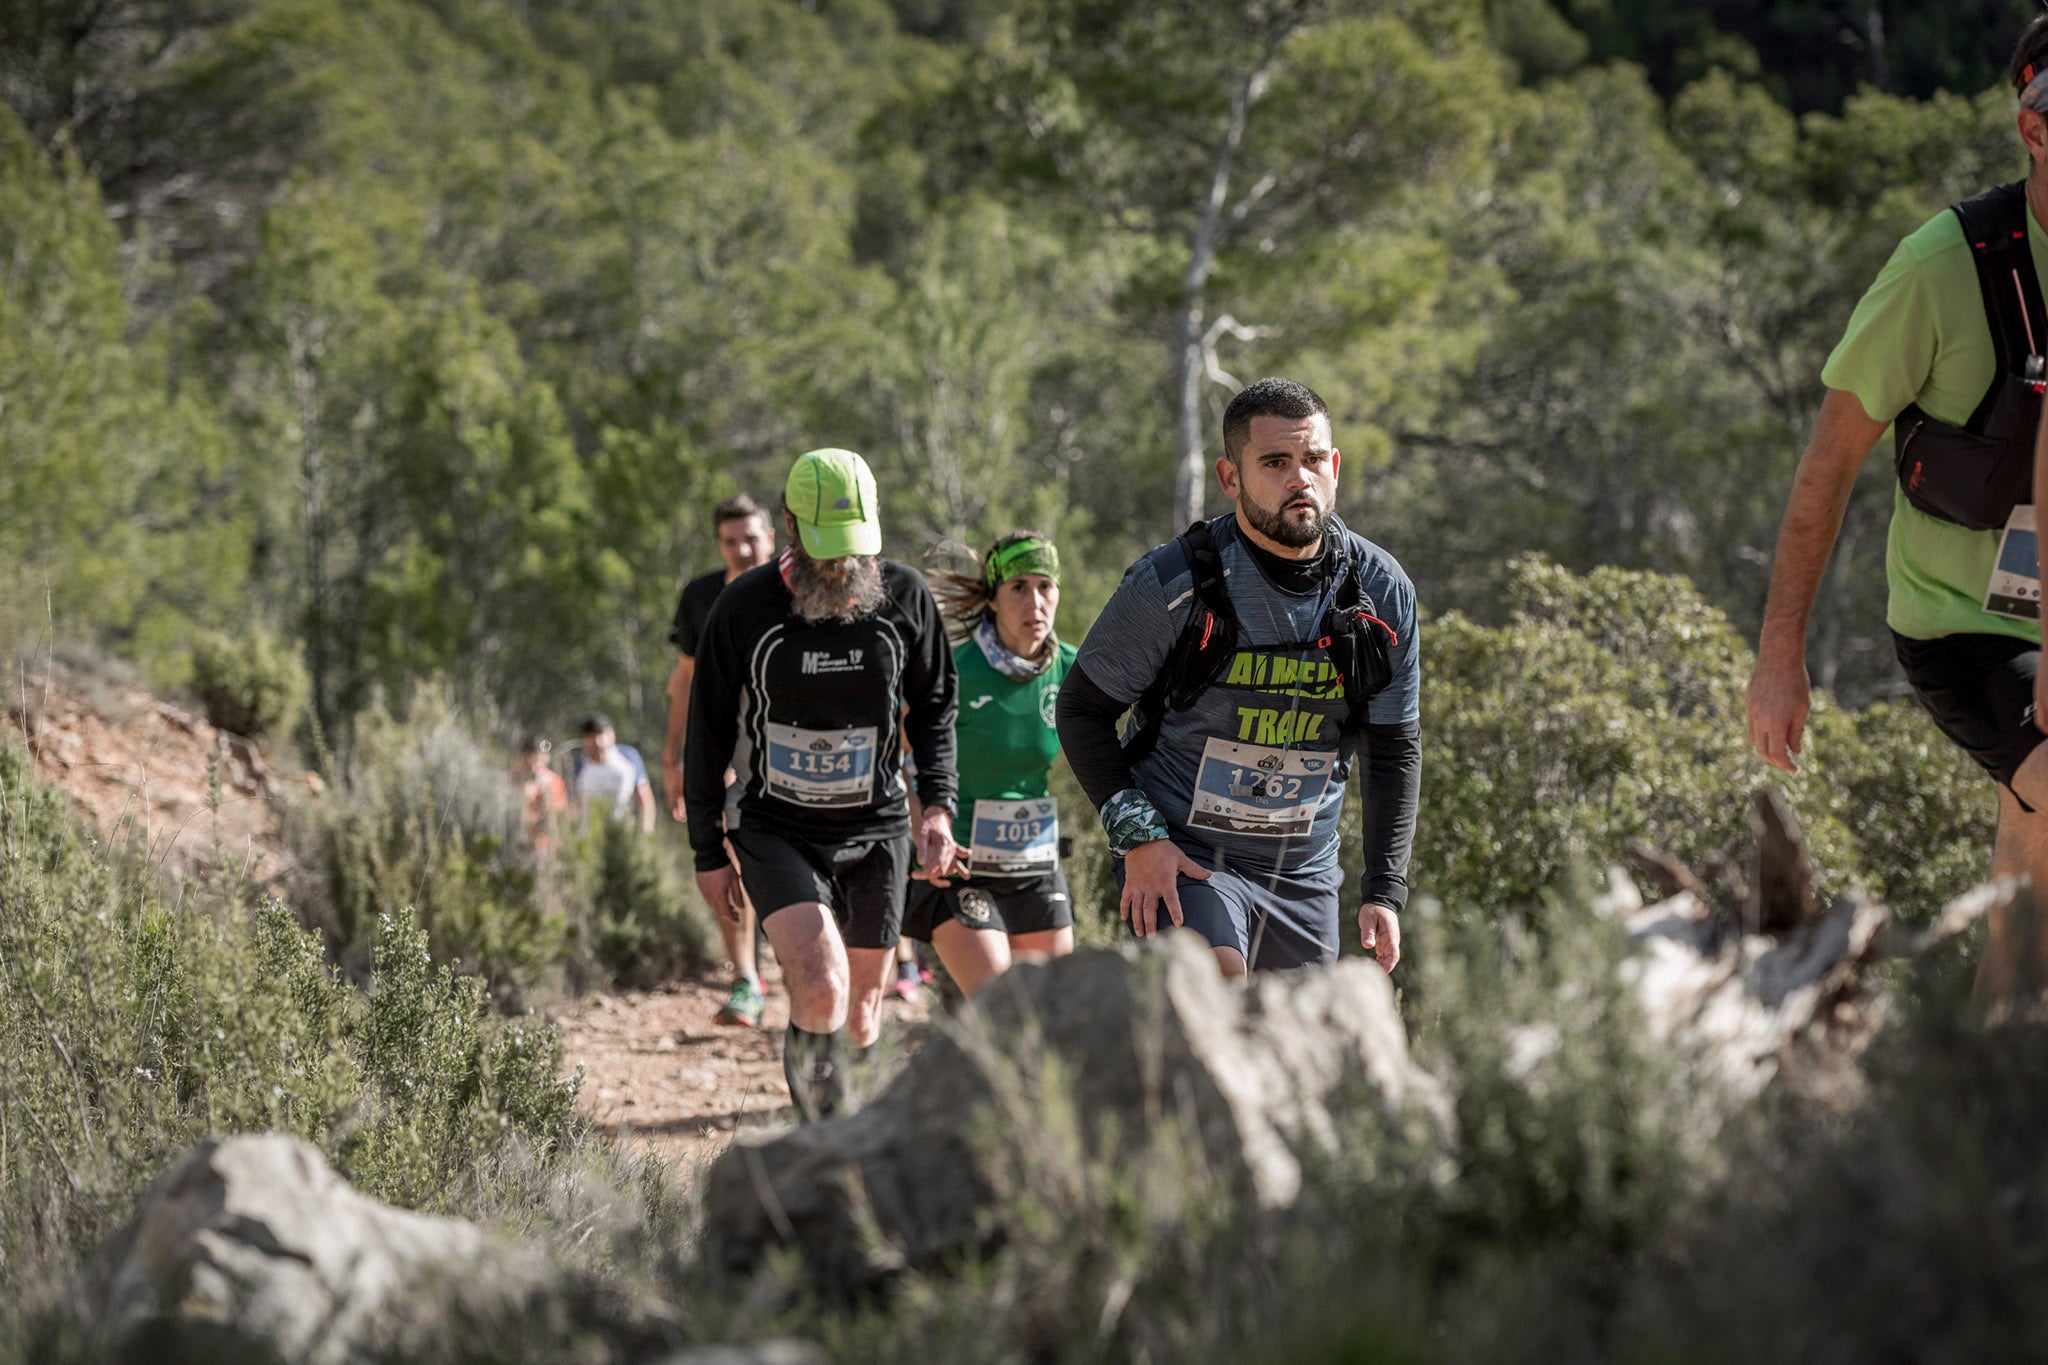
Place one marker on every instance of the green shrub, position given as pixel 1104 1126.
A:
pixel 1609 708
pixel 253 684
pixel 134 1023
pixel 645 927
pixel 420 814
pixel 1923 813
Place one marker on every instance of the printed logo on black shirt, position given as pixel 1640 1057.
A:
pixel 825 661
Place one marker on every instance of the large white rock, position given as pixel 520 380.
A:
pixel 1140 1041
pixel 253 1248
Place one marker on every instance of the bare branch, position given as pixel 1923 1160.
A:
pixel 1230 327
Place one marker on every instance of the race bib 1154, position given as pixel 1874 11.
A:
pixel 826 768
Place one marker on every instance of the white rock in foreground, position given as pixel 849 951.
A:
pixel 252 1247
pixel 1252 1080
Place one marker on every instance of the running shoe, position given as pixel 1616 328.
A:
pixel 743 1007
pixel 905 987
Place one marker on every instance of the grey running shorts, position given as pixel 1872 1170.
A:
pixel 1273 919
pixel 1009 905
pixel 861 883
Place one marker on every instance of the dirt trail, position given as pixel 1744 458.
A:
pixel 656 1069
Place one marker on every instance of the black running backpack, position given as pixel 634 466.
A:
pixel 1357 640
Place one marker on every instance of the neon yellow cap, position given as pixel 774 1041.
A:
pixel 831 493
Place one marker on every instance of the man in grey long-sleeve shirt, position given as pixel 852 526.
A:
pixel 1228 824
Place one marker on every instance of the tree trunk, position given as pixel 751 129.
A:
pixel 304 348
pixel 1189 478
pixel 1873 36
pixel 1191 360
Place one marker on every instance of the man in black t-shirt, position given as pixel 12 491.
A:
pixel 745 539
pixel 810 674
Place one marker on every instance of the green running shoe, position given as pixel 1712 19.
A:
pixel 743 1007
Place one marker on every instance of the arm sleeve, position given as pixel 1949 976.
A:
pixel 714 727
pixel 1087 718
pixel 1400 701
pixel 1393 785
pixel 931 689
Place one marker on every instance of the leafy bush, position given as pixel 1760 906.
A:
pixel 253 684
pixel 1923 814
pixel 1609 707
pixel 644 927
pixel 418 815
pixel 133 1024
pixel 421 815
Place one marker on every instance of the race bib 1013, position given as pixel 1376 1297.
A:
pixel 1015 836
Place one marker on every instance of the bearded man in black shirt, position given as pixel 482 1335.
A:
pixel 811 673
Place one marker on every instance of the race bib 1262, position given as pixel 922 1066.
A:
pixel 1257 789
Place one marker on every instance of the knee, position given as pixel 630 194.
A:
pixel 864 1012
pixel 817 990
pixel 1230 962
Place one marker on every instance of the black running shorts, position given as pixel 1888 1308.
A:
pixel 1980 691
pixel 1008 905
pixel 861 883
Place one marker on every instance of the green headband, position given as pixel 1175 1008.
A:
pixel 1031 555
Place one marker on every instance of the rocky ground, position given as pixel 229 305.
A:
pixel 145 771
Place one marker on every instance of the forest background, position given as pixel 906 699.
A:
pixel 423 333
pixel 391 354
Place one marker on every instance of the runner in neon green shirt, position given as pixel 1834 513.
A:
pixel 1919 336
pixel 1920 339
pixel 1008 898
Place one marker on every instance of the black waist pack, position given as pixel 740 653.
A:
pixel 1973 479
pixel 1975 474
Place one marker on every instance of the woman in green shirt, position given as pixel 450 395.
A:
pixel 1008 898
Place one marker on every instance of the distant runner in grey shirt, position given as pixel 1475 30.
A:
pixel 1228 825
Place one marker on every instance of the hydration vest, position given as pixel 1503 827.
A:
pixel 1356 640
pixel 1975 474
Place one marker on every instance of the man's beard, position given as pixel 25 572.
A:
pixel 1276 525
pixel 849 595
